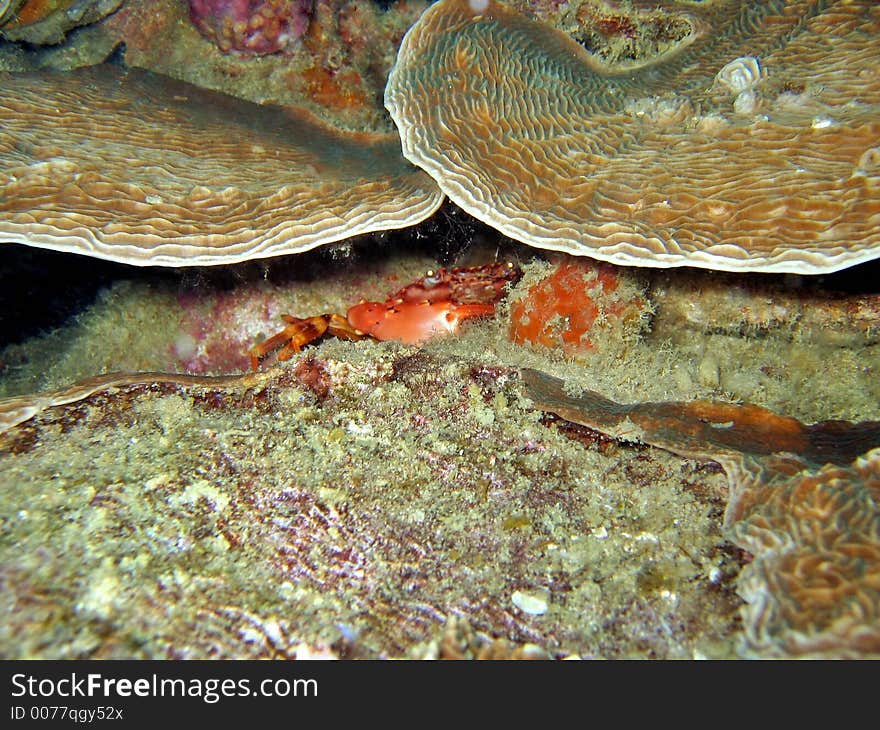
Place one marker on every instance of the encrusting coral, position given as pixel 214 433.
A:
pixel 251 26
pixel 42 22
pixel 804 501
pixel 355 503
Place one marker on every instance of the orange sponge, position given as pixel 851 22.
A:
pixel 560 311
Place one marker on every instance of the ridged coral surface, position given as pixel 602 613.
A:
pixel 814 586
pixel 646 160
pixel 142 169
pixel 526 130
pixel 804 501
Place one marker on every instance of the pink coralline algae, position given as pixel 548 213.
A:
pixel 253 27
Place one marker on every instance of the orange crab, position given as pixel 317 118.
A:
pixel 438 302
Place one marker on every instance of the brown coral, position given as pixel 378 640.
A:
pixel 814 586
pixel 517 123
pixel 137 168
pixel 525 130
pixel 804 500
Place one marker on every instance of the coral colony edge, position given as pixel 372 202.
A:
pixel 644 428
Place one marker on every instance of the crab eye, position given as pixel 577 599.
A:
pixel 431 279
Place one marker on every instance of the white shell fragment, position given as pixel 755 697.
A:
pixel 741 74
pixel 534 604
